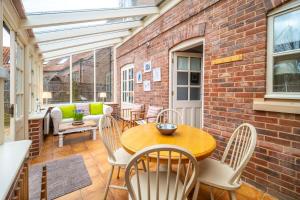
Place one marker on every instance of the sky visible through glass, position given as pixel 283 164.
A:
pixel 61 5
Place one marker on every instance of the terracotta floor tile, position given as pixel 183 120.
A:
pixel 71 196
pixel 95 158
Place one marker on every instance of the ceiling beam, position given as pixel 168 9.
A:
pixel 35 20
pixel 90 30
pixel 82 48
pixel 62 44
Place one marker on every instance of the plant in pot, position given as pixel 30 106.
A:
pixel 78 115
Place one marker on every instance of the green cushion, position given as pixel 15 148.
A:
pixel 67 111
pixel 96 108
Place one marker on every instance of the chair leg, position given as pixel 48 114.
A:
pixel 232 195
pixel 108 182
pixel 211 194
pixel 196 190
pixel 118 176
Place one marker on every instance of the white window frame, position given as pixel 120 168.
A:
pixel 127 68
pixel 290 7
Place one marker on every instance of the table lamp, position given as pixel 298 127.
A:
pixel 102 95
pixel 47 95
pixel 284 68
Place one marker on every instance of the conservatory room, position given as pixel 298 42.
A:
pixel 150 99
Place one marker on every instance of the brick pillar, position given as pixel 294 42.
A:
pixel 35 132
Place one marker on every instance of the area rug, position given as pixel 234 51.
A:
pixel 63 176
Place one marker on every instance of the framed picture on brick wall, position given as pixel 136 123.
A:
pixel 156 74
pixel 139 77
pixel 147 66
pixel 147 86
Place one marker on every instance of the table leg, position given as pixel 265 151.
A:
pixel 60 140
pixel 94 134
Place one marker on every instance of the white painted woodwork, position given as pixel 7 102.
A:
pixel 61 18
pixel 89 30
pixel 191 110
pixel 57 45
pixel 3 75
pixel 69 51
pixel 12 156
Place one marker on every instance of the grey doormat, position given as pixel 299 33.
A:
pixel 63 176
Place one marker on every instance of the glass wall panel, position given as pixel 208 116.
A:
pixel 83 77
pixel 104 74
pixel 6 65
pixel 56 76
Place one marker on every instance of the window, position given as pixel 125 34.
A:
pixel 127 84
pixel 89 78
pixel 56 79
pixel 104 73
pixel 283 79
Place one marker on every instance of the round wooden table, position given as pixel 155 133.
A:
pixel 200 143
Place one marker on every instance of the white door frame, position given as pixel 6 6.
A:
pixel 182 47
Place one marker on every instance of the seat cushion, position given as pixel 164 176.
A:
pixel 213 172
pixel 92 117
pixel 96 108
pixel 153 111
pixel 68 111
pixel 162 185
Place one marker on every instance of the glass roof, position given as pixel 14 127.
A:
pixel 81 25
pixel 40 6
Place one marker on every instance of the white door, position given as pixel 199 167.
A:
pixel 187 87
pixel 17 131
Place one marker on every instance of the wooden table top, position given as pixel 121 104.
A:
pixel 200 143
pixel 69 125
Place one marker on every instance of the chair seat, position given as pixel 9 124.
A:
pixel 141 122
pixel 214 173
pixel 162 185
pixel 122 157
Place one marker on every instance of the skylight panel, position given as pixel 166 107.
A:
pixel 62 61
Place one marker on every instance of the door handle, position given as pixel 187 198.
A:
pixel 11 110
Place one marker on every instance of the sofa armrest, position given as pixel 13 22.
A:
pixel 107 110
pixel 56 116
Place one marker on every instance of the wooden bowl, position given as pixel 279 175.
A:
pixel 166 129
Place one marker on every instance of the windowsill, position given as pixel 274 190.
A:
pixel 59 104
pixel 277 105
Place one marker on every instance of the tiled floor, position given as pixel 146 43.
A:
pixel 95 158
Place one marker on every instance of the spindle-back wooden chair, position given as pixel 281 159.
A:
pixel 156 183
pixel 225 174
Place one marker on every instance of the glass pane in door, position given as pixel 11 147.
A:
pixel 195 64
pixel 195 94
pixel 6 65
pixel 182 63
pixel 182 93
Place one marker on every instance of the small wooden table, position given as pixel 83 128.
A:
pixel 67 128
pixel 200 143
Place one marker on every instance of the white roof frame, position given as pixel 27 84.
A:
pixel 77 32
pixel 61 18
pixel 62 44
pixel 82 48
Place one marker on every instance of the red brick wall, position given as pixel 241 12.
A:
pixel 35 128
pixel 229 27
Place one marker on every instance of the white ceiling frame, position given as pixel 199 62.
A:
pixel 82 48
pixel 61 18
pixel 62 44
pixel 77 32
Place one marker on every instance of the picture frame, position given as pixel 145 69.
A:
pixel 147 66
pixel 139 77
pixel 156 74
pixel 147 86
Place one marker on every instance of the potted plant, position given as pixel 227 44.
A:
pixel 78 115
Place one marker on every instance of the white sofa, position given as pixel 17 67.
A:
pixel 57 119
